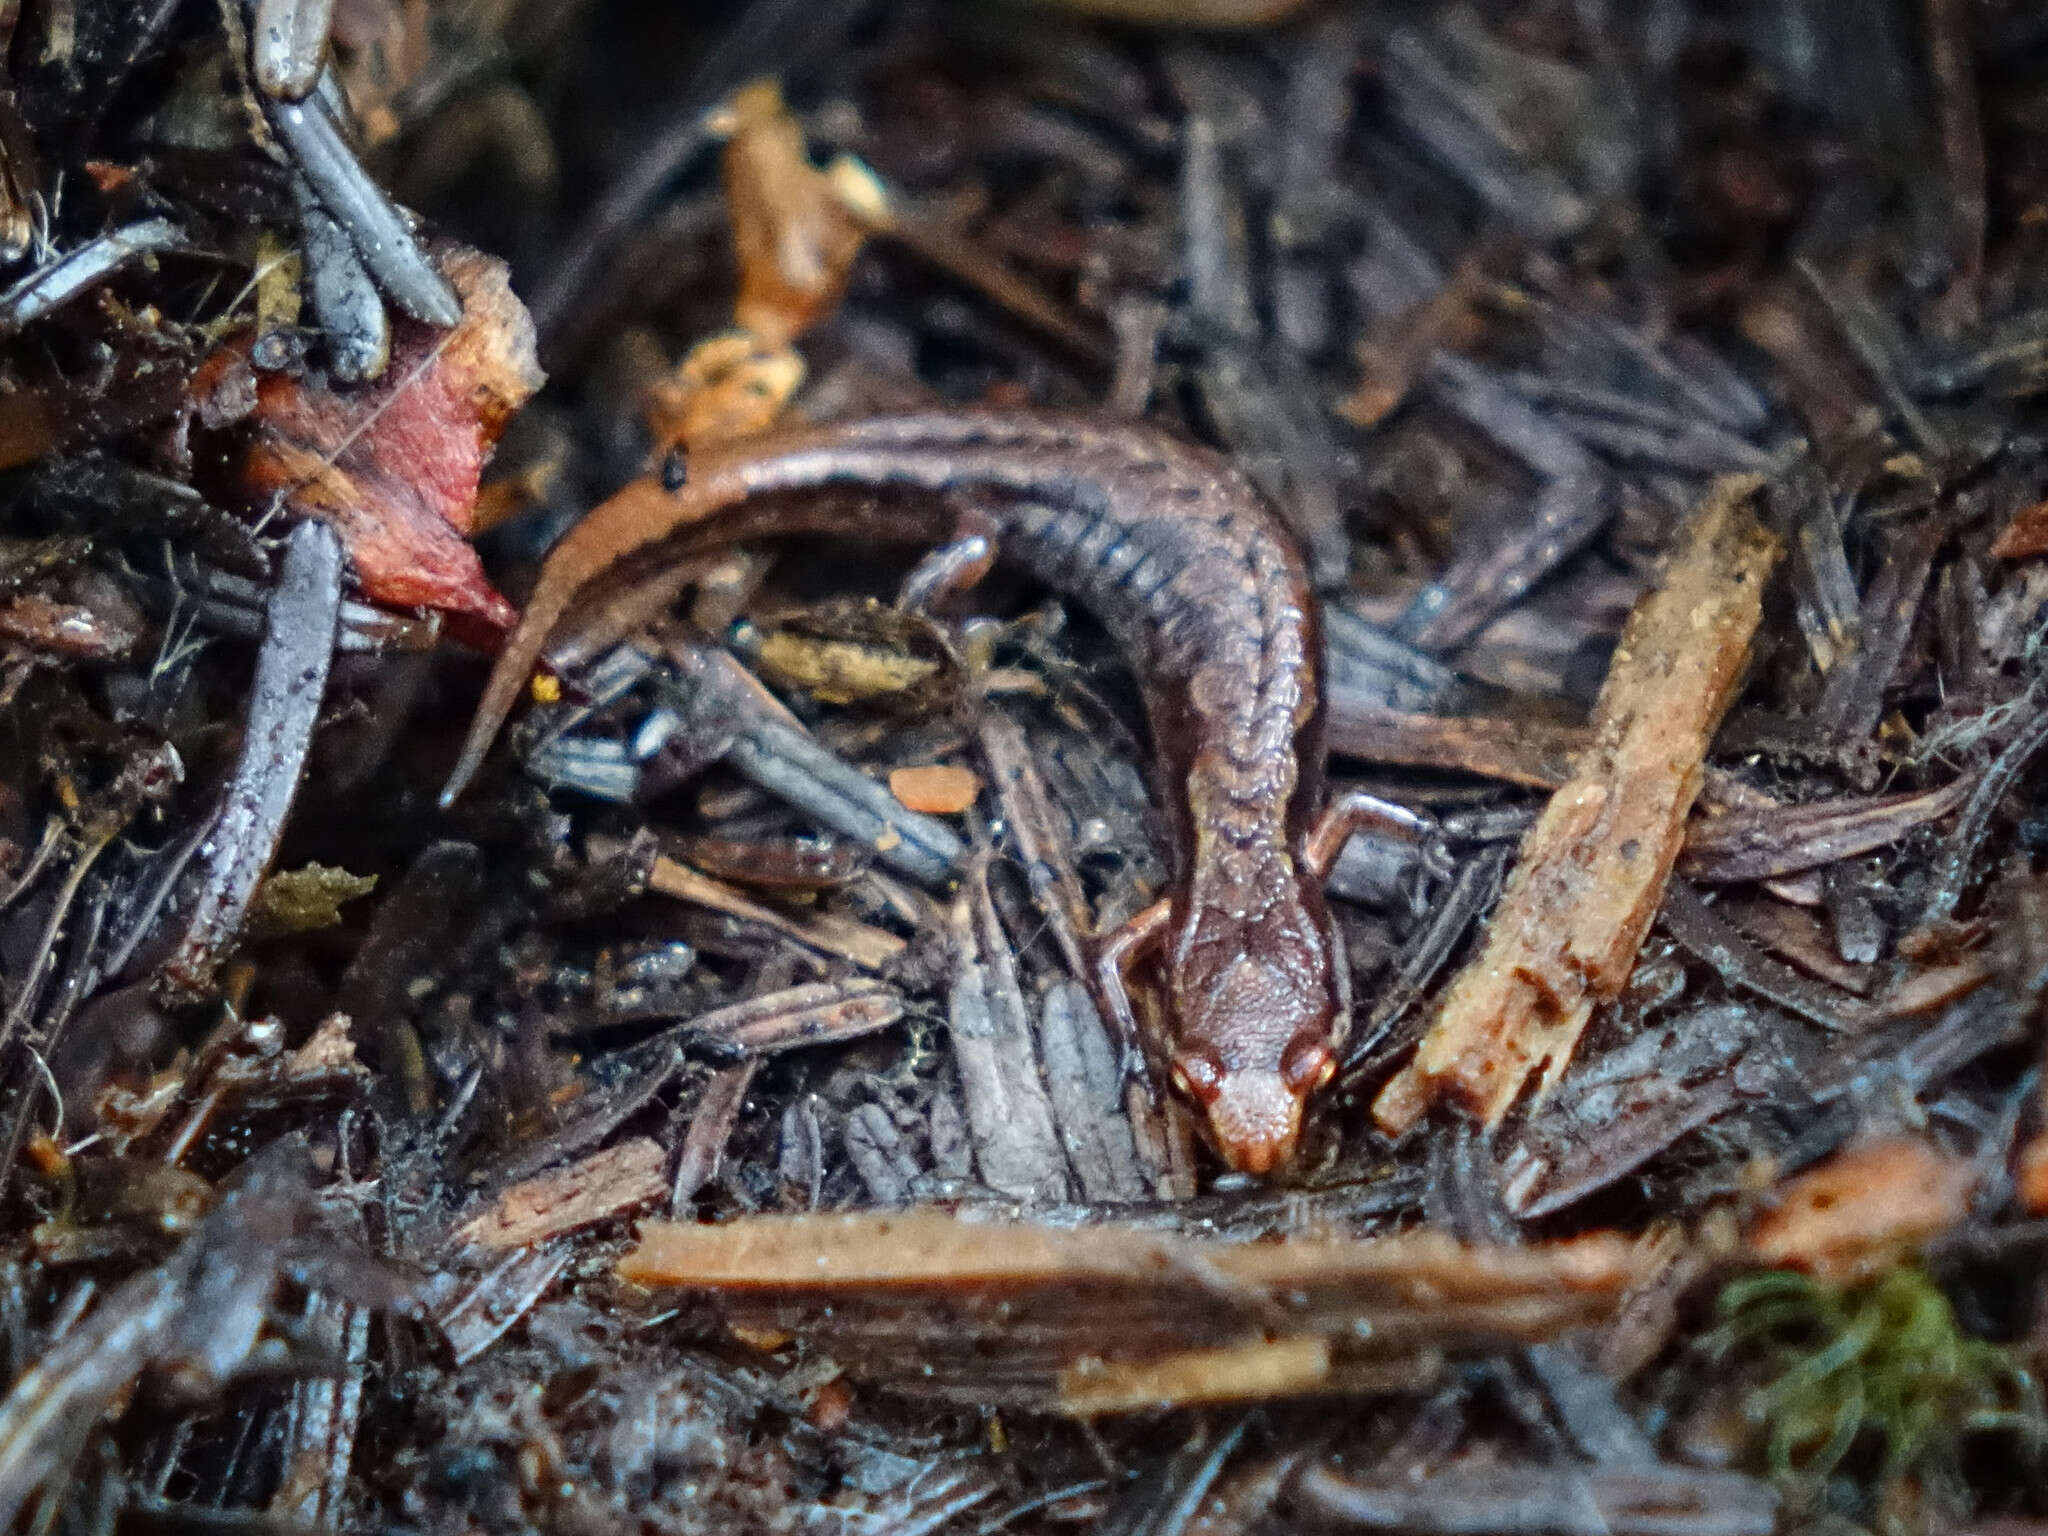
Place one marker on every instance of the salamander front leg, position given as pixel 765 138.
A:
pixel 1356 811
pixel 956 567
pixel 1113 957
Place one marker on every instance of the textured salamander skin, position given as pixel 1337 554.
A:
pixel 1180 559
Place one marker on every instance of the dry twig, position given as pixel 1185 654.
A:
pixel 1593 868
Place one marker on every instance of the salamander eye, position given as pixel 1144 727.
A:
pixel 1198 1074
pixel 1308 1064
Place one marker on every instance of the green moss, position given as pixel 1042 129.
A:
pixel 1881 1370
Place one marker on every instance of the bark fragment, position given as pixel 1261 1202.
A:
pixel 1114 1317
pixel 1593 867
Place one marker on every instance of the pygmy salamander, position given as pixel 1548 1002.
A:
pixel 1195 579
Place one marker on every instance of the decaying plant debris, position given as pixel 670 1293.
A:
pixel 1114 1317
pixel 1591 873
pixel 707 1124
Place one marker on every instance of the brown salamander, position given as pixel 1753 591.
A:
pixel 1177 555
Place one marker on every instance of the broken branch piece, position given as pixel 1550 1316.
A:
pixel 1593 868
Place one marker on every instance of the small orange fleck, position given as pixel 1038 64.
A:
pixel 2033 1176
pixel 547 688
pixel 937 789
pixel 48 1157
pixel 2026 534
pixel 767 1340
pixel 108 178
pixel 831 1405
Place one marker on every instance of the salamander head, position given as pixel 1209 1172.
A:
pixel 1252 1046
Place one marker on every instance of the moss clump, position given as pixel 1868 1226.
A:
pixel 1867 1393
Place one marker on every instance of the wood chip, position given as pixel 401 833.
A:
pixel 996 1052
pixel 70 630
pixel 1851 1216
pixel 605 1184
pixel 1762 843
pixel 937 789
pixel 1593 868
pixel 1924 991
pixel 868 947
pixel 485 1312
pixel 796 229
pixel 2026 534
pixel 1238 1373
pixel 331 1049
pixel 1798 936
pixel 1112 1317
pixel 711 1127
pixel 795 232
pixel 819 1013
pixel 727 387
pixel 1538 753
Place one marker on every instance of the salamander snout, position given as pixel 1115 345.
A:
pixel 1255 1119
pixel 1254 1112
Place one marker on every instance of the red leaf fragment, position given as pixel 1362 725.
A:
pixel 395 466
